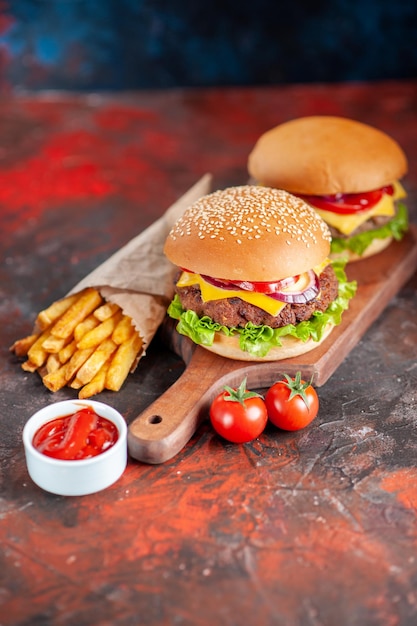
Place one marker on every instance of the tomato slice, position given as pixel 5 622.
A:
pixel 258 287
pixel 296 289
pixel 348 203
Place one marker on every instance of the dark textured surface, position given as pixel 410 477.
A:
pixel 131 44
pixel 315 527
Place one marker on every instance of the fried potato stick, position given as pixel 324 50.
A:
pixel 29 366
pixel 52 363
pixel 122 362
pixel 85 343
pixel 53 344
pixel 37 353
pixel 21 346
pixel 66 353
pixel 101 332
pixel 97 359
pixel 55 380
pixel 83 327
pixel 76 361
pixel 96 385
pixel 48 316
pixel 123 331
pixel 88 300
pixel 105 311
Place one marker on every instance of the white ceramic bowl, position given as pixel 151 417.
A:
pixel 79 477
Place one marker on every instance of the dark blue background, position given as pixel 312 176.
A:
pixel 128 44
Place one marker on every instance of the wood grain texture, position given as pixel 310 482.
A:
pixel 164 428
pixel 306 528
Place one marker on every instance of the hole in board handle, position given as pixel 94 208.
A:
pixel 155 419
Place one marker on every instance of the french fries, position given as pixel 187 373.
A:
pixel 81 342
pixel 122 362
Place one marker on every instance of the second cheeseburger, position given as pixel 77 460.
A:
pixel 348 171
pixel 255 281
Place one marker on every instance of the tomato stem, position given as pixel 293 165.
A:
pixel 298 387
pixel 240 394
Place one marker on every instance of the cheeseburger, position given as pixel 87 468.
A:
pixel 348 171
pixel 255 281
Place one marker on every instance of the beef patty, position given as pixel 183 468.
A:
pixel 236 312
pixel 374 222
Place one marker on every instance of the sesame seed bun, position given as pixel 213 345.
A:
pixel 249 233
pixel 322 155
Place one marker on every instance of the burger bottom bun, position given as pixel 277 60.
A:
pixel 376 246
pixel 228 347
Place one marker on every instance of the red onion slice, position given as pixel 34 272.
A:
pixel 309 289
pixel 304 295
pixel 266 288
pixel 216 282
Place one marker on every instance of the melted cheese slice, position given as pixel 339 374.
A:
pixel 346 224
pixel 261 300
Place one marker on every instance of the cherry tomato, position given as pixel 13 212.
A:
pixel 238 415
pixel 292 403
pixel 349 203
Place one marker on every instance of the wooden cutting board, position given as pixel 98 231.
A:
pixel 164 428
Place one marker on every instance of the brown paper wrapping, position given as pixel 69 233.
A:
pixel 138 277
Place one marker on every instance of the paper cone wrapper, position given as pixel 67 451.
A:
pixel 138 277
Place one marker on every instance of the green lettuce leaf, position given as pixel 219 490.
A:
pixel 258 340
pixel 396 228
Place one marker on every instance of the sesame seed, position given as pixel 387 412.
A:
pixel 248 212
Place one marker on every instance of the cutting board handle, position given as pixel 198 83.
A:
pixel 164 428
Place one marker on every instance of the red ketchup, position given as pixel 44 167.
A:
pixel 80 435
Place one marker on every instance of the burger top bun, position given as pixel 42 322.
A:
pixel 322 155
pixel 249 233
